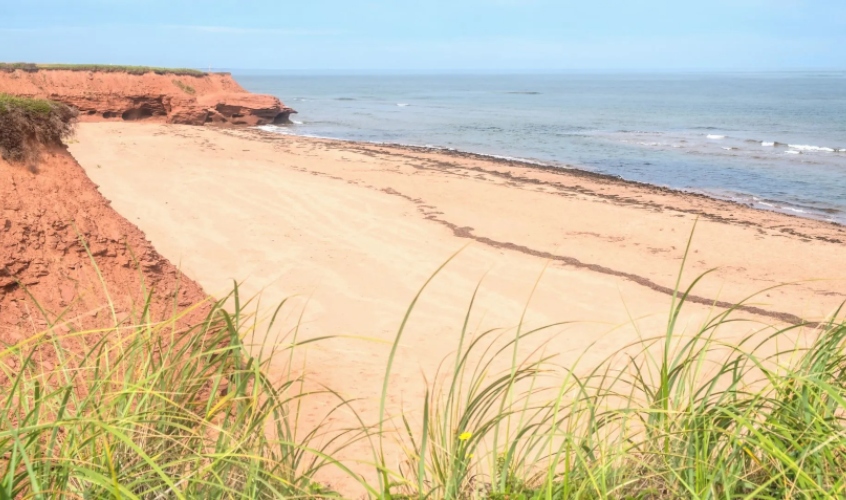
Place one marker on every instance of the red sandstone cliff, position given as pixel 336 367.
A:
pixel 46 213
pixel 185 99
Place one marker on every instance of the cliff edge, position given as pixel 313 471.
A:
pixel 65 255
pixel 134 93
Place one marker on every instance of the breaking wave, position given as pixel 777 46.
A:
pixel 804 147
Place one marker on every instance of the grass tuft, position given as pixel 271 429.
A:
pixel 27 124
pixel 184 87
pixel 155 411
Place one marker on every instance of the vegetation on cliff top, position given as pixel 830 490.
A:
pixel 106 68
pixel 27 124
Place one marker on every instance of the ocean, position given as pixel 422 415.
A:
pixel 775 141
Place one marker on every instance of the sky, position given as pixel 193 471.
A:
pixel 430 35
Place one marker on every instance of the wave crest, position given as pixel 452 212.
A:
pixel 805 147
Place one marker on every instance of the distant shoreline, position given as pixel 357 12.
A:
pixel 558 168
pixel 774 142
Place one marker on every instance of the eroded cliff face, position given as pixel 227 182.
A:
pixel 214 98
pixel 65 253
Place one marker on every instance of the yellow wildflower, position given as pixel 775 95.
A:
pixel 464 436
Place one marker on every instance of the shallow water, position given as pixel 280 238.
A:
pixel 773 140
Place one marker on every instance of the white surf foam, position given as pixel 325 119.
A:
pixel 715 136
pixel 275 129
pixel 295 122
pixel 729 149
pixel 797 210
pixel 402 104
pixel 517 159
pixel 804 147
pixel 292 131
pixel 793 152
pixel 768 144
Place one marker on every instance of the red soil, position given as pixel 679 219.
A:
pixel 46 213
pixel 191 100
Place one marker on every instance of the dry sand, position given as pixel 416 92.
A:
pixel 355 230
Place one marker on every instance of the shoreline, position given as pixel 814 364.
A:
pixel 569 170
pixel 556 166
pixel 574 171
pixel 582 171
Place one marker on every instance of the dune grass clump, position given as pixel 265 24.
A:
pixel 152 411
pixel 27 124
pixel 157 410
pixel 105 68
pixel 673 416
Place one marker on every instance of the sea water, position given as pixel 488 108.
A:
pixel 775 141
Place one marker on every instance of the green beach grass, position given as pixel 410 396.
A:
pixel 106 68
pixel 27 124
pixel 155 410
pixel 34 106
pixel 184 87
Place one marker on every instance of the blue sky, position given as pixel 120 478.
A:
pixel 432 35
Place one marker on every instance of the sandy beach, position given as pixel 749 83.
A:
pixel 355 230
pixel 350 232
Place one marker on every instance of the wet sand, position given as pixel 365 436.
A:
pixel 351 232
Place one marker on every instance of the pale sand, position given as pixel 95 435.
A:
pixel 356 230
